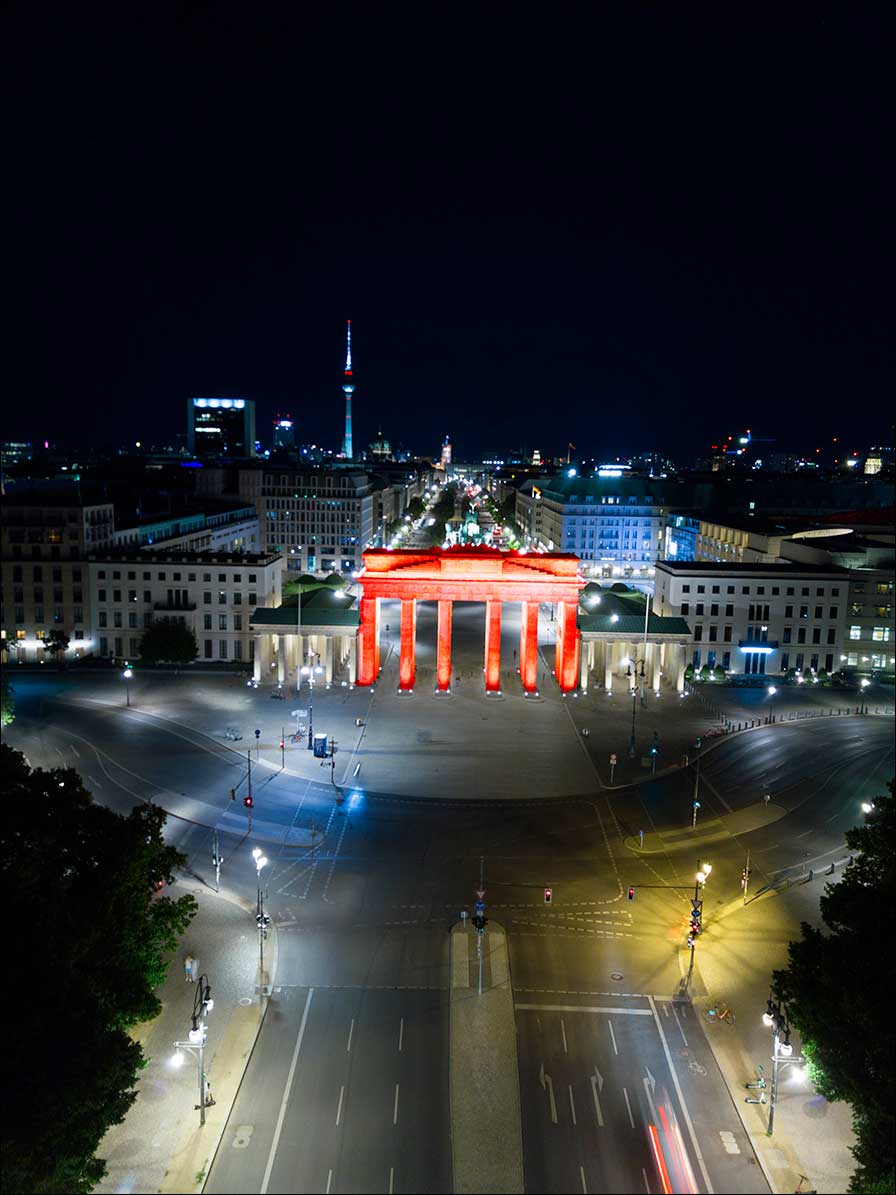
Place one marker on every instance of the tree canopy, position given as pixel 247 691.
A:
pixel 87 935
pixel 837 991
pixel 168 642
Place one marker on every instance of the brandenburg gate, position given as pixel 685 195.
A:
pixel 471 575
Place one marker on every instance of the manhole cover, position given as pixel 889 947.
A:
pixel 244 1000
pixel 616 975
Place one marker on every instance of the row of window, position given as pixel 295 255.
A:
pixel 38 615
pixel 223 578
pixel 760 589
pixel 878 634
pixel 37 574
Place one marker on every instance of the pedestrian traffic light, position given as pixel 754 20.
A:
pixel 744 876
pixel 699 743
pixel 548 896
pixel 691 942
pixel 480 922
pixel 248 802
pixel 654 749
pixel 631 894
pixel 282 744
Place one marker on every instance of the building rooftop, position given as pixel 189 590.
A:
pixel 760 568
pixel 153 559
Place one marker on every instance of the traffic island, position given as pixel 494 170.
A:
pixel 486 1132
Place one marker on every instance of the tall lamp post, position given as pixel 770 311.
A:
pixel 771 690
pixel 703 870
pixel 261 918
pixel 634 676
pixel 127 674
pixel 195 1043
pixel 775 1017
pixel 863 707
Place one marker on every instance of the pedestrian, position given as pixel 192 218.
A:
pixel 457 680
pixel 188 968
pixel 194 969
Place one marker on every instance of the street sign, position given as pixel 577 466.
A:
pixel 257 733
pixel 299 714
pixel 613 759
pixel 480 894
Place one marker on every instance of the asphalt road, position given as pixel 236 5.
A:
pixel 347 1089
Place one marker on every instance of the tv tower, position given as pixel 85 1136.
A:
pixel 348 389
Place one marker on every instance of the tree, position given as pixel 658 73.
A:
pixel 87 938
pixel 7 701
pixel 719 674
pixel 689 673
pixel 838 990
pixel 415 508
pixel 57 642
pixel 823 678
pixel 168 642
pixel 704 672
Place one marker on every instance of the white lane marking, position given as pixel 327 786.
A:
pixel 613 1037
pixel 351 1030
pixel 547 1084
pixel 339 1109
pixel 572 1105
pixel 684 1107
pixel 678 1023
pixel 400 1034
pixel 623 1012
pixel 563 1031
pixel 631 1118
pixel 391 1168
pixel 597 1081
pixel 329 1180
pixel 582 1173
pixel 646 1183
pixel 395 1108
pixel 289 1078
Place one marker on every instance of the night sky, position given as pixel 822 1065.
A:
pixel 627 228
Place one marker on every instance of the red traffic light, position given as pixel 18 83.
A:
pixel 548 896
pixel 281 744
pixel 631 894
pixel 248 802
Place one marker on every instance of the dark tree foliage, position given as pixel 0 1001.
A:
pixel 7 701
pixel 168 643
pixel 57 641
pixel 838 992
pixel 87 934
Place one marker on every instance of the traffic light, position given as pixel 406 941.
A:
pixel 248 802
pixel 654 749
pixel 744 876
pixel 548 896
pixel 480 922
pixel 233 794
pixel 699 742
pixel 631 893
pixel 282 744
pixel 691 941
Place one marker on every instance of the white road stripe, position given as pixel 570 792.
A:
pixel 628 1105
pixel 289 1079
pixel 646 1183
pixel 400 1034
pixel 582 1173
pixel 678 1023
pixel 329 1180
pixel 572 1105
pixel 391 1179
pixel 622 1012
pixel 339 1109
pixel 563 1031
pixel 351 1030
pixel 613 1037
pixel 395 1109
pixel 684 1107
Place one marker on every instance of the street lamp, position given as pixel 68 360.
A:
pixel 703 870
pixel 261 919
pixel 127 674
pixel 311 669
pixel 863 685
pixel 195 1043
pixel 775 1017
pixel 771 690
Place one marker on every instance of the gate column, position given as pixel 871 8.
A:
pixel 567 654
pixel 368 642
pixel 492 645
pixel 407 667
pixel 529 646
pixel 443 659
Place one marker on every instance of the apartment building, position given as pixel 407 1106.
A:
pixel 212 594
pixel 762 618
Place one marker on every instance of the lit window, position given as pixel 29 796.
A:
pixel 855 632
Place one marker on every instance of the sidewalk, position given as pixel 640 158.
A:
pixel 734 960
pixel 484 1075
pixel 160 1146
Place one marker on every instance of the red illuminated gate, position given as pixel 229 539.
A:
pixel 471 575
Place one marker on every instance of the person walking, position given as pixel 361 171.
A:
pixel 194 969
pixel 188 968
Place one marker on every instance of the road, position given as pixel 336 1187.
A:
pixel 347 1089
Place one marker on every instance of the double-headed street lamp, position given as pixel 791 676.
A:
pixel 775 1017
pixel 633 677
pixel 126 676
pixel 261 918
pixel 195 1043
pixel 311 669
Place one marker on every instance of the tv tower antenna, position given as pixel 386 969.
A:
pixel 348 389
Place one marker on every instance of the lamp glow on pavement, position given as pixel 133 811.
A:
pixel 177 1059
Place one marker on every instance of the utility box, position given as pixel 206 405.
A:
pixel 320 746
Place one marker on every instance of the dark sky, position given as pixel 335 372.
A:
pixel 629 230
